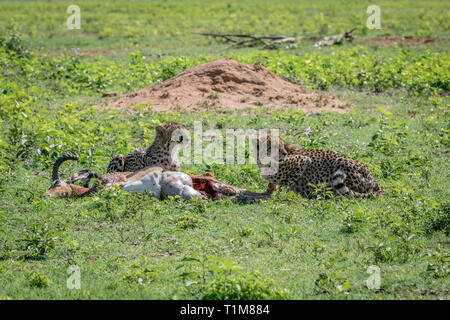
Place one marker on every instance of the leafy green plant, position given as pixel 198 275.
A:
pixel 222 279
pixel 399 248
pixel 438 218
pixel 38 280
pixel 439 263
pixel 11 40
pixel 241 286
pixel 188 220
pixel 353 222
pixel 245 231
pixel 382 252
pixel 40 238
pixel 330 279
pixel 138 273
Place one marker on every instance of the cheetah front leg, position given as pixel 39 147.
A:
pixel 297 164
pixel 289 171
pixel 292 169
pixel 271 188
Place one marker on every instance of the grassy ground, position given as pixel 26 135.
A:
pixel 131 247
pixel 166 26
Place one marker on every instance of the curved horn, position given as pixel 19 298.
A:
pixel 55 175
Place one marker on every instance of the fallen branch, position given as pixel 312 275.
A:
pixel 246 39
pixel 336 39
pixel 228 36
pixel 273 42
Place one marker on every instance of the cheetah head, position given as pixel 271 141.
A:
pixel 171 136
pixel 270 152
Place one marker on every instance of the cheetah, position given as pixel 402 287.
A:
pixel 163 152
pixel 305 171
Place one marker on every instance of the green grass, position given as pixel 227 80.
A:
pixel 117 239
pixel 134 247
pixel 166 26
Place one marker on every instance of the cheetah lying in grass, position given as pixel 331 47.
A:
pixel 163 152
pixel 304 171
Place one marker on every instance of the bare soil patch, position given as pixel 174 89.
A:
pixel 83 53
pixel 410 41
pixel 225 83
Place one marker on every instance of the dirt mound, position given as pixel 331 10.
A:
pixel 227 84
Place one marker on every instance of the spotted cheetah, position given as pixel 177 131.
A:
pixel 163 152
pixel 305 171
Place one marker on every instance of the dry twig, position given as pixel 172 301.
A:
pixel 336 39
pixel 246 39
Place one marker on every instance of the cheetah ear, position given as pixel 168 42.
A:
pixel 160 130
